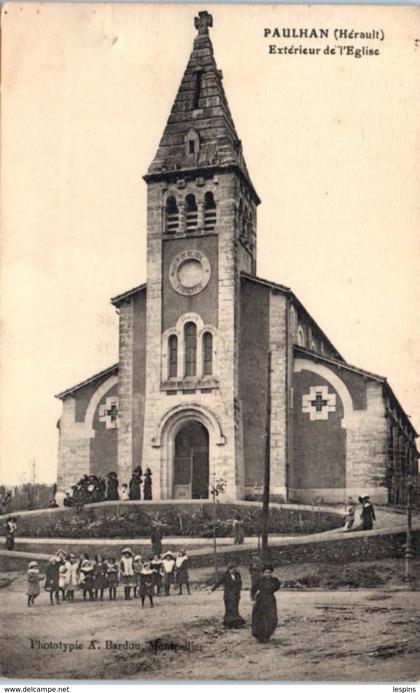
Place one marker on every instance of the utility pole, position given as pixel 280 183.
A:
pixel 266 488
pixel 409 552
pixel 218 486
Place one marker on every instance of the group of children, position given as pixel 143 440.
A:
pixel 65 573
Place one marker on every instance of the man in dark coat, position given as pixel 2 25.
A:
pixel 232 585
pixel 368 513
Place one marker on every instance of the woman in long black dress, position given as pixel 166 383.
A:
pixel 264 613
pixel 232 585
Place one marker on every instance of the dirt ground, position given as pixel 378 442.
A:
pixel 334 635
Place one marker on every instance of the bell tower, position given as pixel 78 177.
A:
pixel 201 234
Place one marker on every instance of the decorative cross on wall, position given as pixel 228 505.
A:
pixel 319 403
pixel 108 412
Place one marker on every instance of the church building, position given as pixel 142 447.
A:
pixel 213 358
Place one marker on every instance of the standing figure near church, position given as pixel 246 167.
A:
pixel 368 513
pixel 181 571
pixel 156 538
pixel 127 572
pixel 232 585
pixel 112 575
pixel 5 500
pixel 100 578
pixel 146 584
pixel 350 513
pixel 255 569
pixel 155 565
pixel 124 493
pixel 264 613
pixel 238 530
pixel 138 565
pixel 101 490
pixel 134 490
pixel 10 526
pixel 167 569
pixel 33 577
pixel 73 577
pixel 112 488
pixel 52 580
pixel 147 486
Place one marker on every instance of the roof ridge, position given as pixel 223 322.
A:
pixel 87 381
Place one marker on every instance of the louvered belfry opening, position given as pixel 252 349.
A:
pixel 172 215
pixel 209 212
pixel 191 213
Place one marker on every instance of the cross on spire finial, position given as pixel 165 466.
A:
pixel 203 22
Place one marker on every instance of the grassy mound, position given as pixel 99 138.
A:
pixel 132 520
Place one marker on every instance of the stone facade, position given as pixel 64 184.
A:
pixel 202 346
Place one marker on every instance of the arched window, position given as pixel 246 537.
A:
pixel 300 337
pixel 190 345
pixel 173 356
pixel 209 212
pixel 191 214
pixel 172 215
pixel 207 353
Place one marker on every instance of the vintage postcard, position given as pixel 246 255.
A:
pixel 210 342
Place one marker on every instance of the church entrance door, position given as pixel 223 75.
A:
pixel 191 461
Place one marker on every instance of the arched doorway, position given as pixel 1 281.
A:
pixel 191 461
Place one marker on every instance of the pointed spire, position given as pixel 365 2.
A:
pixel 200 131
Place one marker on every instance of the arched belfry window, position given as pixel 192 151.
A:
pixel 173 356
pixel 190 346
pixel 172 215
pixel 207 353
pixel 209 211
pixel 191 213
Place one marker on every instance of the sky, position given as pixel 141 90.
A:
pixel 330 143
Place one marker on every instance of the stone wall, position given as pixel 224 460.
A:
pixel 278 346
pixel 125 391
pixel 75 437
